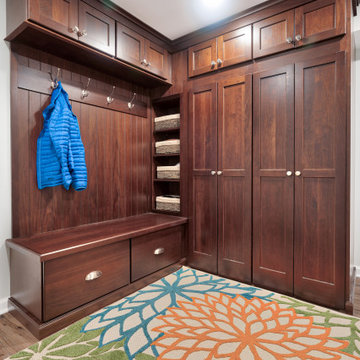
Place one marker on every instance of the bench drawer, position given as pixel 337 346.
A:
pixel 76 279
pixel 155 251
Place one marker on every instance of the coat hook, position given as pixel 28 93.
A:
pixel 131 103
pixel 110 99
pixel 85 92
pixel 54 82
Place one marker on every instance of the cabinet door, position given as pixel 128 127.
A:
pixel 96 29
pixel 320 188
pixel 271 34
pixel 319 20
pixel 234 47
pixel 202 58
pixel 156 59
pixel 234 184
pixel 203 192
pixel 58 15
pixel 129 45
pixel 273 184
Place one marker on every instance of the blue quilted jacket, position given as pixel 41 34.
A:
pixel 60 151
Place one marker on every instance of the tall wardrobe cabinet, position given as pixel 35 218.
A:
pixel 221 135
pixel 299 179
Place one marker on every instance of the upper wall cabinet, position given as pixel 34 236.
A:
pixel 76 19
pixel 96 29
pixel 226 50
pixel 141 52
pixel 59 15
pixel 312 22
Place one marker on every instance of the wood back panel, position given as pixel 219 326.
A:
pixel 117 147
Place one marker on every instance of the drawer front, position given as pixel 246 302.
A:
pixel 65 286
pixel 153 252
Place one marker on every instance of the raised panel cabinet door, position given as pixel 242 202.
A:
pixel 234 178
pixel 319 20
pixel 156 59
pixel 273 34
pixel 130 45
pixel 58 15
pixel 202 58
pixel 234 47
pixel 320 184
pixel 203 178
pixel 96 29
pixel 273 179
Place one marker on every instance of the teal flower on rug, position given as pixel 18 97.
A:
pixel 132 319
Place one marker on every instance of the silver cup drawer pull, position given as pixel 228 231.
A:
pixel 93 275
pixel 159 251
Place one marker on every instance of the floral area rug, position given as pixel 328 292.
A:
pixel 194 315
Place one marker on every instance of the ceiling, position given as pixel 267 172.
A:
pixel 175 18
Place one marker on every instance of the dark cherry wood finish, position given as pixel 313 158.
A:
pixel 96 28
pixel 65 287
pixel 270 35
pixel 144 258
pixel 202 58
pixel 203 191
pixel 157 59
pixel 59 15
pixel 320 215
pixel 235 47
pixel 273 190
pixel 234 183
pixel 319 20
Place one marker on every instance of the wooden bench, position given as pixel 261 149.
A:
pixel 60 276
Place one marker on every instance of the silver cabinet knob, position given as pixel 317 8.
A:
pixel 75 30
pixel 298 37
pixel 144 62
pixel 82 33
pixel 289 173
pixel 219 172
pixel 213 64
pixel 159 251
pixel 93 275
pixel 148 63
pixel 297 173
pixel 213 172
pixel 289 40
pixel 219 61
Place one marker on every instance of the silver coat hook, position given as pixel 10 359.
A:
pixel 54 82
pixel 131 103
pixel 85 92
pixel 110 99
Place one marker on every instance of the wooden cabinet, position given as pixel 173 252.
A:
pixel 59 15
pixel 273 181
pixel 141 52
pixel 226 50
pixel 220 128
pixel 273 34
pixel 299 180
pixel 96 29
pixel 316 21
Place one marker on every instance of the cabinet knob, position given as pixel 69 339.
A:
pixel 219 172
pixel 148 63
pixel 298 37
pixel 159 251
pixel 144 62
pixel 213 172
pixel 289 40
pixel 75 30
pixel 93 275
pixel 213 64
pixel 219 61
pixel 82 33
pixel 288 173
pixel 297 173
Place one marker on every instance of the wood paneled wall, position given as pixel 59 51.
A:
pixel 117 147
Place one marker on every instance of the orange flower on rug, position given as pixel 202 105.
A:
pixel 238 328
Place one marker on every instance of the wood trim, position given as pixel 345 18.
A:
pixel 41 330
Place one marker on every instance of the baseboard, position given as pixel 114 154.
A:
pixel 4 305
